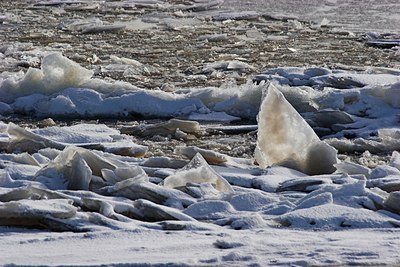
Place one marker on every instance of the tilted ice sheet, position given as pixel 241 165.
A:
pixel 284 138
pixel 99 137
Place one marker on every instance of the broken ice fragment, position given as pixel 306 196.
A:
pixel 155 212
pixel 73 169
pixel 139 188
pixel 34 212
pixel 104 28
pixel 163 162
pixel 393 202
pixel 302 184
pixel 352 168
pixel 163 128
pixel 284 138
pixel 244 15
pixel 124 173
pixel 197 171
pixel 210 210
pixel 68 171
pixel 328 118
pixel 210 156
pixel 395 160
pixel 26 141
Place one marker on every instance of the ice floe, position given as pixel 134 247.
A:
pixel 197 171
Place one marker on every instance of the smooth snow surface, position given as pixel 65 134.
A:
pixel 266 247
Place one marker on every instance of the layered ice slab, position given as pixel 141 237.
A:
pixel 99 137
pixel 285 138
pixel 62 88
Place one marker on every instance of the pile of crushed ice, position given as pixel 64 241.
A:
pixel 85 178
pixel 81 178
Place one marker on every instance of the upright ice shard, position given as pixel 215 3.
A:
pixel 68 170
pixel 284 138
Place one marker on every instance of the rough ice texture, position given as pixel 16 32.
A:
pixel 73 93
pixel 210 156
pixel 56 74
pixel 99 136
pixel 78 189
pixel 284 138
pixel 68 171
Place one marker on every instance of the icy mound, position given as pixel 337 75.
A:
pixel 56 74
pixel 62 88
pixel 81 102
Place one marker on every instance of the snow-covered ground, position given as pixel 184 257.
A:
pixel 263 247
pixel 318 182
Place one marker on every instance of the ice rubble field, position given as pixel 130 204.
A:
pixel 98 200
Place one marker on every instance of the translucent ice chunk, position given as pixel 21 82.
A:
pixel 68 171
pixel 284 138
pixel 197 171
pixel 123 173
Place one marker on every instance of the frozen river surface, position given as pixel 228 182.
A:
pixel 355 15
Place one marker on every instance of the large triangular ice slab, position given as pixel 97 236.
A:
pixel 285 138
